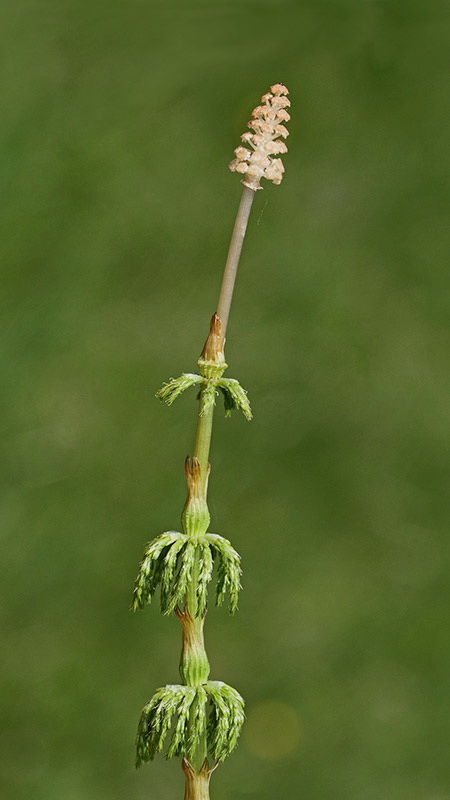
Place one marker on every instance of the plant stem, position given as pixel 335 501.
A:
pixel 203 443
pixel 197 783
pixel 234 253
pixel 194 666
pixel 203 717
pixel 205 421
pixel 196 786
pixel 197 778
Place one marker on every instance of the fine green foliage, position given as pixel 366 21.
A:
pixel 151 567
pixel 228 570
pixel 204 573
pixel 225 719
pixel 176 386
pixel 169 562
pixel 174 721
pixel 208 396
pixel 234 395
pixel 156 720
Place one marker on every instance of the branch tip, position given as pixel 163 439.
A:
pixel 267 126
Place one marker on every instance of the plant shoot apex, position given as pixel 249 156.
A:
pixel 267 126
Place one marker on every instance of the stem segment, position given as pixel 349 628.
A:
pixel 203 443
pixel 197 783
pixel 234 254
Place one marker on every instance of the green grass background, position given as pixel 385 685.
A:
pixel 119 119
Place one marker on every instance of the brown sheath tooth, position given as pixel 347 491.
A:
pixel 213 347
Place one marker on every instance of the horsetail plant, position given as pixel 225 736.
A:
pixel 199 717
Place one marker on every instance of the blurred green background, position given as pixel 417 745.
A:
pixel 119 119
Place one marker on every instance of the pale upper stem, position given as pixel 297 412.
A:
pixel 234 253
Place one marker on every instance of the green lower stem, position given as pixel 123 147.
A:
pixel 198 785
pixel 194 664
pixel 197 782
pixel 203 442
pixel 194 670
